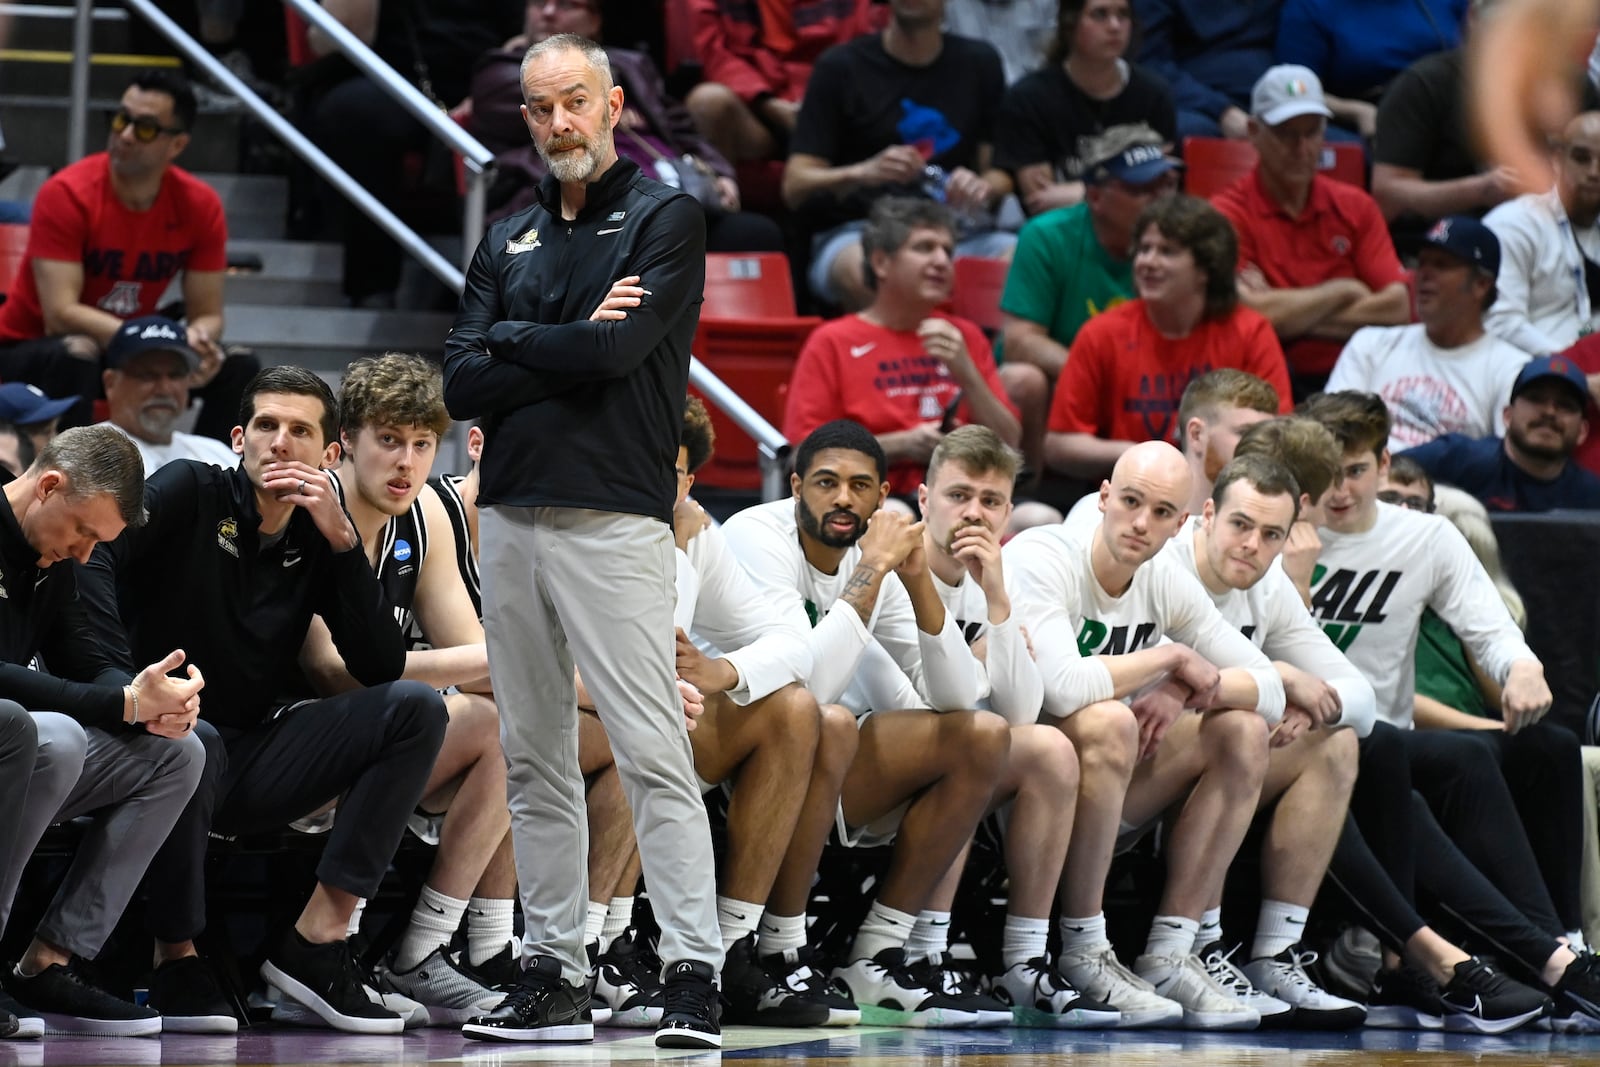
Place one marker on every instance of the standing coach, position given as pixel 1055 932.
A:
pixel 572 344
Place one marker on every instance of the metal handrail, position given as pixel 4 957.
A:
pixel 772 448
pixel 477 158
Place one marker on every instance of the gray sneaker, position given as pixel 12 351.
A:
pixel 1096 973
pixel 438 983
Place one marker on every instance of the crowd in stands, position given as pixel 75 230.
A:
pixel 1278 419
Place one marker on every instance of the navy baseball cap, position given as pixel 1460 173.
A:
pixel 1467 239
pixel 1138 164
pixel 26 405
pixel 152 333
pixel 1559 367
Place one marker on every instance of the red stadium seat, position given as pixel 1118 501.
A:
pixel 749 337
pixel 1211 164
pixel 298 33
pixel 978 286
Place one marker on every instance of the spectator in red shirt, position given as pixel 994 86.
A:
pixel 109 233
pixel 757 58
pixel 1131 364
pixel 906 371
pixel 1315 256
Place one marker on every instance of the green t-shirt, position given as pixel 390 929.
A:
pixel 1060 277
pixel 1443 672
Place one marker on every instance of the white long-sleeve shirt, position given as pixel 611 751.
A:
pixel 939 668
pixel 1010 684
pixel 1543 303
pixel 1272 615
pixel 729 615
pixel 1074 621
pixel 1431 391
pixel 1368 591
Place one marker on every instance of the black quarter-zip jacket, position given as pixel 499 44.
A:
pixel 40 613
pixel 581 414
pixel 196 577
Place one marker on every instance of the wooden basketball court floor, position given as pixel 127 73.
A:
pixel 867 1047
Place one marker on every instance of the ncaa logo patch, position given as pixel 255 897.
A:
pixel 402 550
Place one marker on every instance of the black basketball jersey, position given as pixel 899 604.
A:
pixel 448 486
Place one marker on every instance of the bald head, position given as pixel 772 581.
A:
pixel 1144 503
pixel 1157 468
pixel 1578 168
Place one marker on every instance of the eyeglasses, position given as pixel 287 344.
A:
pixel 1405 500
pixel 145 129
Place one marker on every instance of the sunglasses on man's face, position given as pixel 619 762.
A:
pixel 145 128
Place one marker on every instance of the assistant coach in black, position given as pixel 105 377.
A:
pixel 230 566
pixel 572 345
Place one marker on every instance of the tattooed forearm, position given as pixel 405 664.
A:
pixel 861 591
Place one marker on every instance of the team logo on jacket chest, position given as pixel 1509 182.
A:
pixel 227 537
pixel 526 243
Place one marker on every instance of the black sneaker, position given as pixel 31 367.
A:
pixel 690 1007
pixel 542 1006
pixel 753 997
pixel 30 1024
pixel 1405 999
pixel 1478 999
pixel 189 999
pixel 326 979
pixel 940 974
pixel 501 970
pixel 626 979
pixel 800 971
pixel 68 1004
pixel 1577 995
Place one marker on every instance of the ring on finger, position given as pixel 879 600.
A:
pixel 302 487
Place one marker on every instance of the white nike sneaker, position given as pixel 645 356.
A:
pixel 890 993
pixel 1206 1005
pixel 1275 1013
pixel 1284 976
pixel 1040 997
pixel 1096 973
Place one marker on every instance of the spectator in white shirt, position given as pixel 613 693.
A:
pixel 1445 374
pixel 148 364
pixel 1550 249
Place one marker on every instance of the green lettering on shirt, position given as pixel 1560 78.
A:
pixel 1342 636
pixel 1090 636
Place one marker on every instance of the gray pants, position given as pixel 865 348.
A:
pixel 19 748
pixel 133 785
pixel 564 585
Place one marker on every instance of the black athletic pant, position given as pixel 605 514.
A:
pixel 371 749
pixel 1511 802
pixel 1392 850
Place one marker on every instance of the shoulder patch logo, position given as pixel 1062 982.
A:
pixel 227 535
pixel 526 243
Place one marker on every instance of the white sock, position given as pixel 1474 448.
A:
pixel 353 927
pixel 930 935
pixel 1024 940
pixel 1279 926
pixel 882 928
pixel 594 921
pixel 491 926
pixel 1080 934
pixel 738 919
pixel 1210 928
pixel 781 933
pixel 1171 936
pixel 433 923
pixel 619 916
